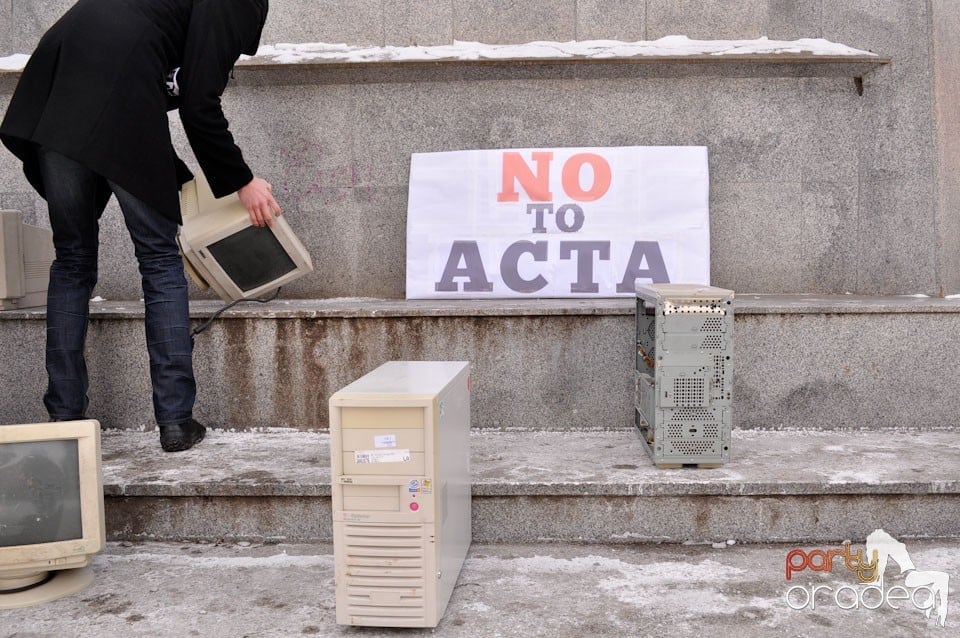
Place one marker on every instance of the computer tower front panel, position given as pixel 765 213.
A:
pixel 401 492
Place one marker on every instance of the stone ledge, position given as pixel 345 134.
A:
pixel 281 463
pixel 864 62
pixel 745 304
pixel 843 304
pixel 390 65
pixel 773 66
pixel 814 56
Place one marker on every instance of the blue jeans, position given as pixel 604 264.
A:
pixel 76 197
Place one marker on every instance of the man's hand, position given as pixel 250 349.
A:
pixel 257 197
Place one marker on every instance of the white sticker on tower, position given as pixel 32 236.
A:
pixel 382 456
pixel 387 440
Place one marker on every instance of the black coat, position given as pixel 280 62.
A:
pixel 94 90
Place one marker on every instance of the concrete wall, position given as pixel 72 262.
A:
pixel 403 22
pixel 813 187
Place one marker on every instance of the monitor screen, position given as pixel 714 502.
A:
pixel 39 493
pixel 252 257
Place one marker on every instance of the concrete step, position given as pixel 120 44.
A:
pixel 800 361
pixel 570 486
pixel 554 590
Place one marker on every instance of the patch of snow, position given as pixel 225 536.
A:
pixel 669 46
pixel 14 62
pixel 853 476
pixel 218 562
pixel 478 607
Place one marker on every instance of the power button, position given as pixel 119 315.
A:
pixel 414 507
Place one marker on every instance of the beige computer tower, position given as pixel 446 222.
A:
pixel 400 457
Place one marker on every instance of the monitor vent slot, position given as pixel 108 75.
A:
pixel 385 573
pixel 36 269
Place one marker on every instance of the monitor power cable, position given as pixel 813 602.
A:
pixel 214 316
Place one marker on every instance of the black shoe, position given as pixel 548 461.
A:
pixel 181 436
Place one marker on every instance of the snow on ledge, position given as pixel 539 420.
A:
pixel 14 62
pixel 671 46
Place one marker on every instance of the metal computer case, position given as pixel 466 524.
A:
pixel 684 373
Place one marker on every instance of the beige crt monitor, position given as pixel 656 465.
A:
pixel 26 253
pixel 223 250
pixel 400 456
pixel 51 510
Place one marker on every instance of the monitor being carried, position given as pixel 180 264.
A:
pixel 224 251
pixel 26 253
pixel 51 510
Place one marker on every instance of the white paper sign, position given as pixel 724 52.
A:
pixel 566 222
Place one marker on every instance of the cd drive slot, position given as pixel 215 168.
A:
pixel 372 498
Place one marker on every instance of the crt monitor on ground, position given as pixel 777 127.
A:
pixel 51 510
pixel 26 253
pixel 224 251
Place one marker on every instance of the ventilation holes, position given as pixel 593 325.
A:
pixel 688 391
pixel 693 448
pixel 712 342
pixel 713 324
pixel 691 414
pixel 719 374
